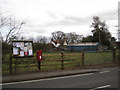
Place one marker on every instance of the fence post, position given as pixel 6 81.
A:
pixel 16 65
pixel 114 55
pixel 82 54
pixel 29 65
pixel 119 54
pixel 62 61
pixel 10 65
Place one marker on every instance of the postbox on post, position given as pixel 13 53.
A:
pixel 39 55
pixel 39 58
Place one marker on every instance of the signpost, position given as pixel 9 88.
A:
pixel 61 47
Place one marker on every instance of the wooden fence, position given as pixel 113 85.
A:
pixel 50 62
pixel 56 61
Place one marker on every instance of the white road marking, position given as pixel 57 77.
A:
pixel 104 71
pixel 46 79
pixel 101 87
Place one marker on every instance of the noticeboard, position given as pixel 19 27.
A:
pixel 22 48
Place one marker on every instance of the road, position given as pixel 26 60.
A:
pixel 106 78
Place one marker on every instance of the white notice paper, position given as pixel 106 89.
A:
pixel 30 52
pixel 15 51
pixel 21 53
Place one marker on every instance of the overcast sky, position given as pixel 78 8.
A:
pixel 42 17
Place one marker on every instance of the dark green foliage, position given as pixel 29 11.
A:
pixel 41 46
pixel 100 32
pixel 88 39
pixel 6 48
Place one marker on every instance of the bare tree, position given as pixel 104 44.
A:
pixel 73 38
pixel 41 39
pixel 58 36
pixel 41 43
pixel 12 28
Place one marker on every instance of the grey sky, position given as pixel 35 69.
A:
pixel 42 17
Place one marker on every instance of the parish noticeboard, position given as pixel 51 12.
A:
pixel 22 48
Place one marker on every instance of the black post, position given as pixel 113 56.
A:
pixel 39 65
pixel 10 65
pixel 62 61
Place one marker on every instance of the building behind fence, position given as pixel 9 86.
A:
pixel 87 47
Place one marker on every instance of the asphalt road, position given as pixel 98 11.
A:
pixel 107 78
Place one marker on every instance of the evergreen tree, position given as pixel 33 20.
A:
pixel 100 32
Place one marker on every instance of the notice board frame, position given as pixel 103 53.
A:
pixel 19 41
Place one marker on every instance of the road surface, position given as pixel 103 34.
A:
pixel 106 78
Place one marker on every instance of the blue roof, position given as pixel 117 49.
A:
pixel 85 44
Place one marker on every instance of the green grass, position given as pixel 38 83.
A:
pixel 98 58
pixel 91 58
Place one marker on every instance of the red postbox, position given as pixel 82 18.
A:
pixel 39 55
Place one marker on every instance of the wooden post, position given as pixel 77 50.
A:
pixel 114 55
pixel 10 65
pixel 62 61
pixel 119 54
pixel 82 54
pixel 16 65
pixel 28 65
pixel 39 65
